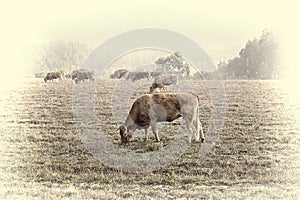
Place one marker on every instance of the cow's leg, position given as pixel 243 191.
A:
pixel 189 122
pixel 146 134
pixel 200 131
pixel 189 126
pixel 153 125
pixel 196 133
pixel 177 85
pixel 196 124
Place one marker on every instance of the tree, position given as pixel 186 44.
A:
pixel 257 60
pixel 61 55
pixel 174 63
pixel 269 51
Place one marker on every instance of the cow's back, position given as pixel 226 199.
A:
pixel 166 106
pixel 161 106
pixel 166 79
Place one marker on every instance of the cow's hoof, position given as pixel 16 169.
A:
pixel 202 140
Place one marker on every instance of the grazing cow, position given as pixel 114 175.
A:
pixel 161 81
pixel 134 76
pixel 155 74
pixel 119 73
pixel 149 109
pixel 74 74
pixel 62 72
pixel 68 76
pixel 81 75
pixel 54 75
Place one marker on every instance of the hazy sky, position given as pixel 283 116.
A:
pixel 221 27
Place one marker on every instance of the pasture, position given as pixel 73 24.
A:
pixel 42 155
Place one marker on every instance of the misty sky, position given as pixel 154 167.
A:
pixel 221 27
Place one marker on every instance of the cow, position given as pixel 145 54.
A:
pixel 155 74
pixel 81 75
pixel 62 72
pixel 161 81
pixel 68 76
pixel 134 76
pixel 119 73
pixel 149 109
pixel 54 75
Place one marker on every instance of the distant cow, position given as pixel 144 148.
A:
pixel 62 72
pixel 119 73
pixel 68 76
pixel 134 76
pixel 81 75
pixel 161 81
pixel 149 109
pixel 155 74
pixel 54 75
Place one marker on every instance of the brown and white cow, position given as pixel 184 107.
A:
pixel 149 109
pixel 54 75
pixel 161 81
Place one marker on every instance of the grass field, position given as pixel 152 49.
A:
pixel 43 156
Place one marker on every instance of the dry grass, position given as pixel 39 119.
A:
pixel 41 149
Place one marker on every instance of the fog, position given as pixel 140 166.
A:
pixel 222 29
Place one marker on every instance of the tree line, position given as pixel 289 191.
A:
pixel 60 55
pixel 259 59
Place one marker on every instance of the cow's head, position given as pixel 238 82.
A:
pixel 124 133
pixel 151 89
